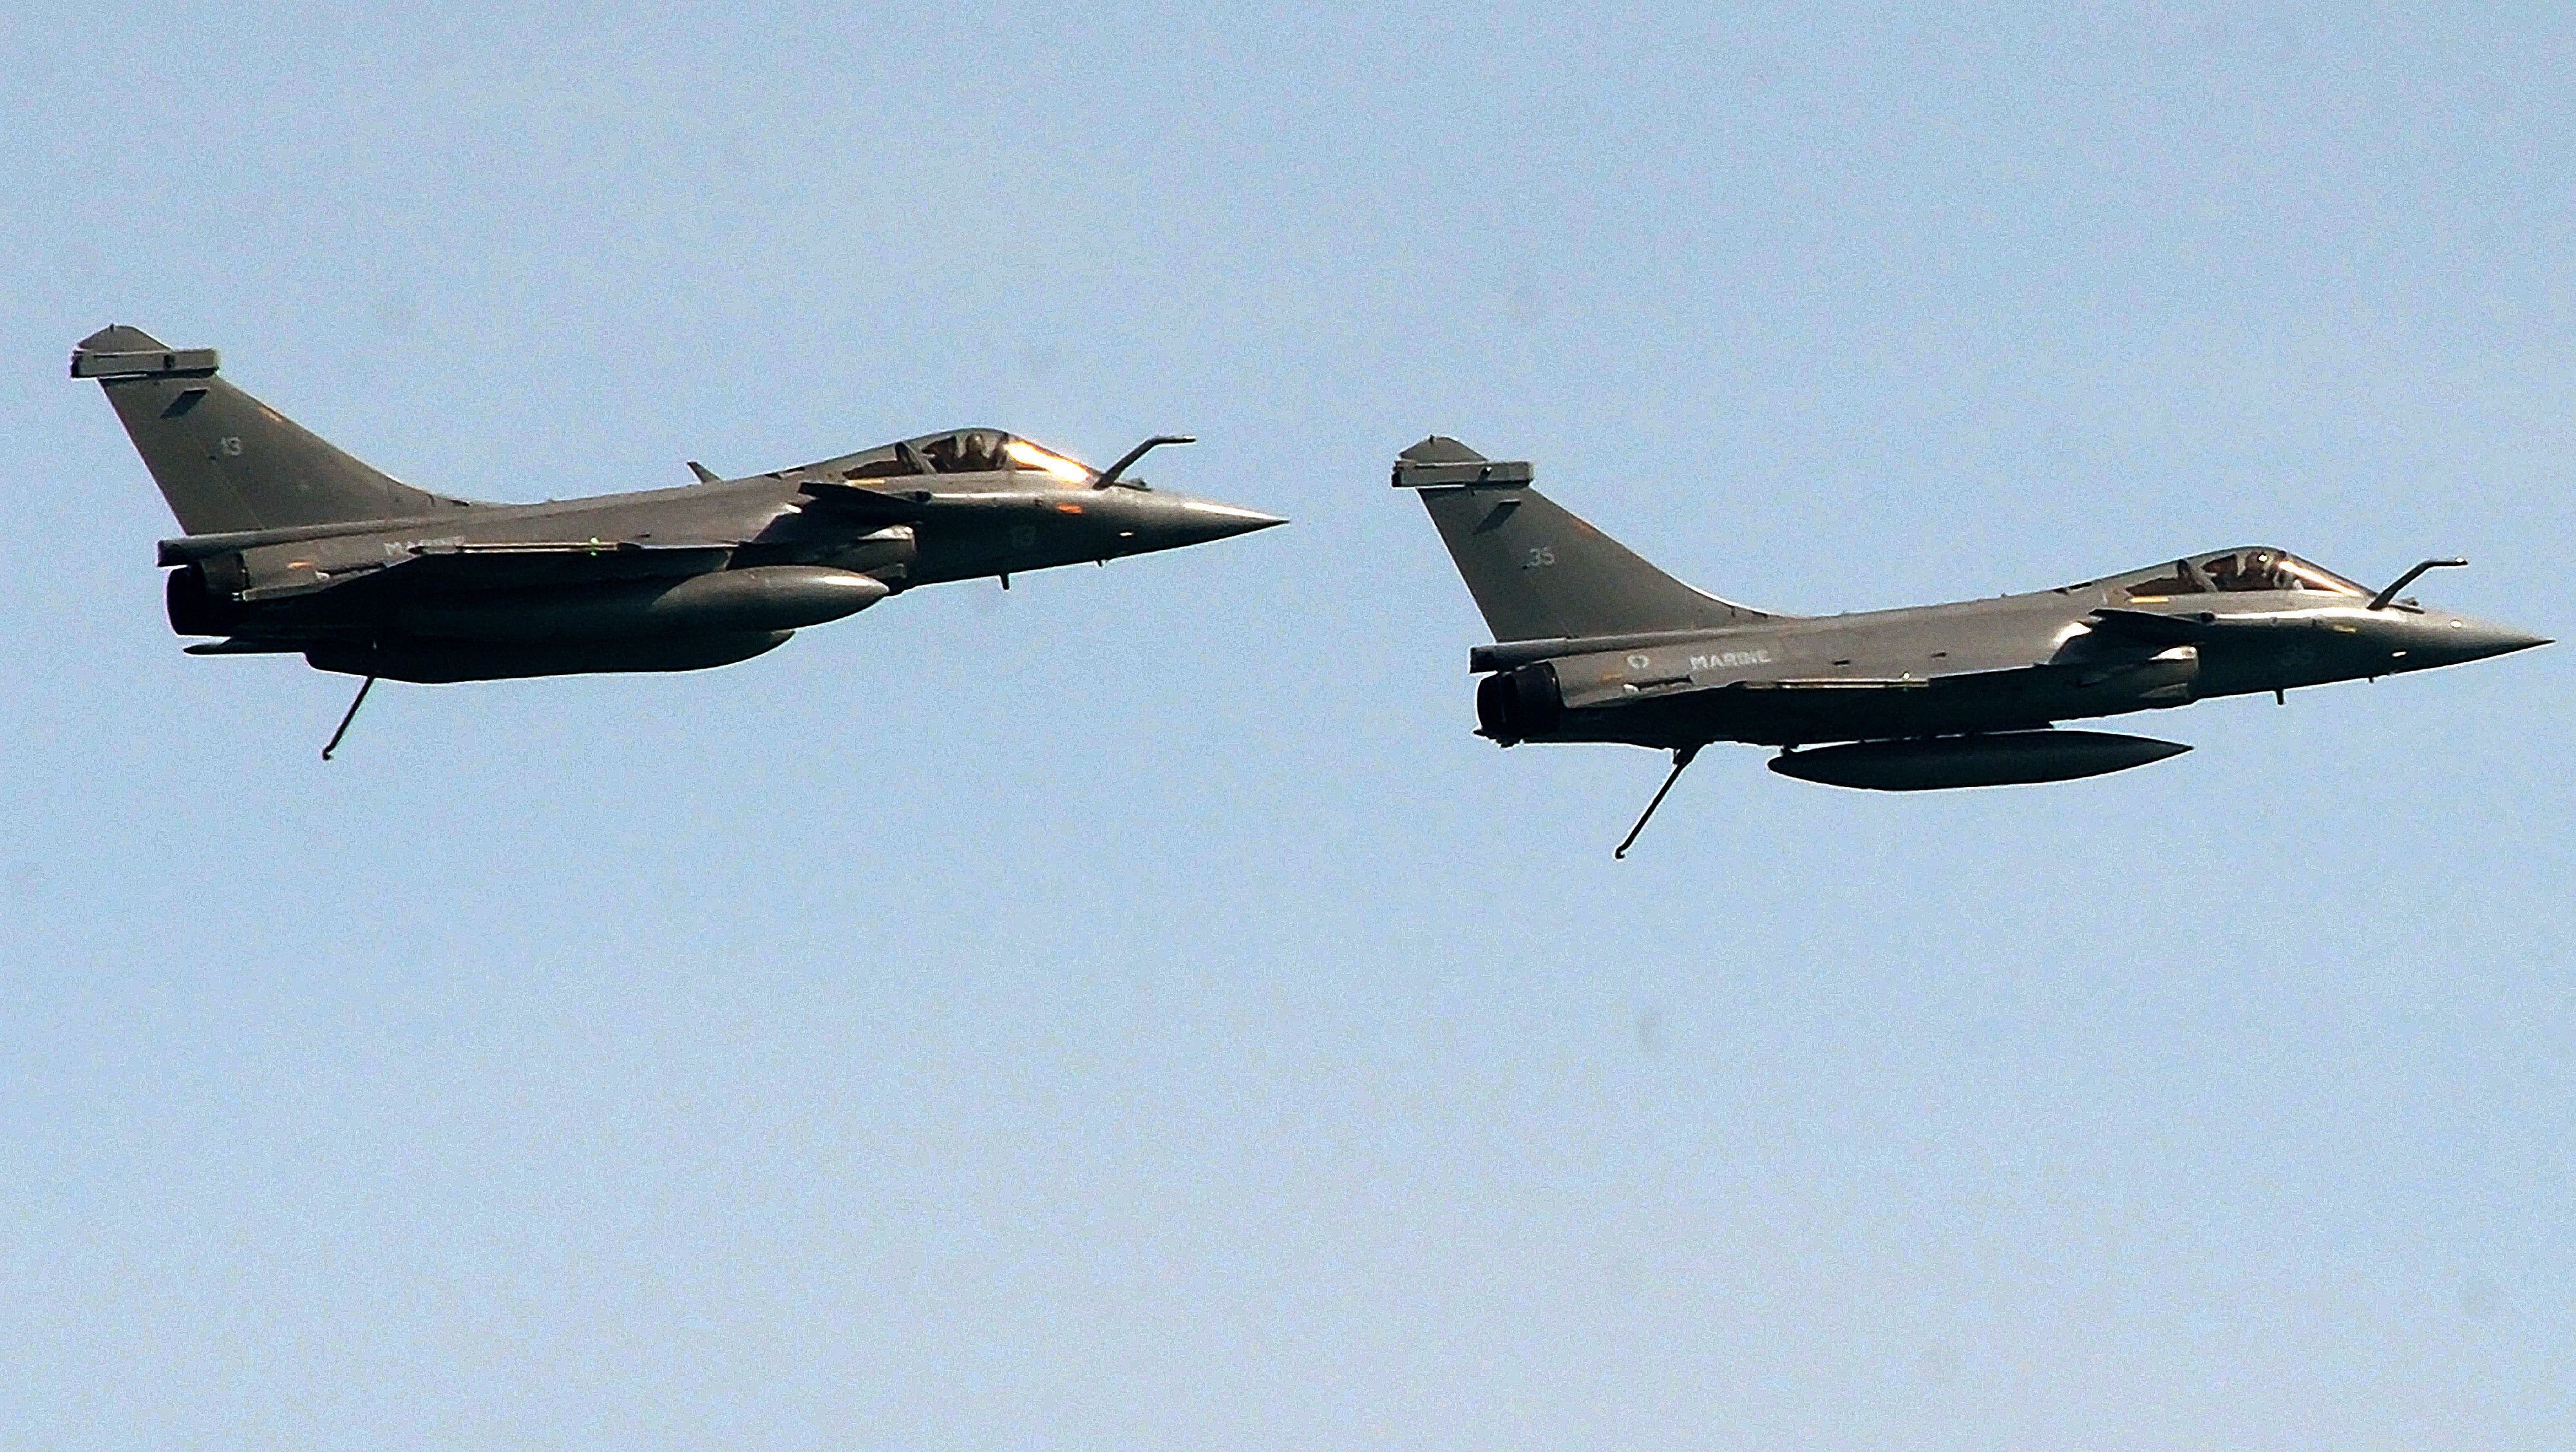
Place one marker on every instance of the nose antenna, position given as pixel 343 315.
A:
pixel 2380 601
pixel 1138 452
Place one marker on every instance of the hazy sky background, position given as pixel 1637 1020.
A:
pixel 1133 1011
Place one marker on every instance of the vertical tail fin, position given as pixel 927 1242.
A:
pixel 225 460
pixel 1538 571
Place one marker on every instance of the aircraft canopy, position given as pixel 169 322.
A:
pixel 963 451
pixel 2257 568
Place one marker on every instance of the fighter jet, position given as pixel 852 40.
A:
pixel 1594 644
pixel 295 547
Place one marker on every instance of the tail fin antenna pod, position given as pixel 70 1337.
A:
pixel 223 459
pixel 1537 570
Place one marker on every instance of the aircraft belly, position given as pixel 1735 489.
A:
pixel 437 662
pixel 1799 712
pixel 1780 718
pixel 755 600
pixel 769 597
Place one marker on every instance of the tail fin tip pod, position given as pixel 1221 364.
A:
pixel 224 460
pixel 1537 570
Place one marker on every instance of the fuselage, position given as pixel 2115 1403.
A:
pixel 663 579
pixel 2009 662
pixel 1593 643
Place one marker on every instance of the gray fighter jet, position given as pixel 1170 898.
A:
pixel 294 547
pixel 1594 644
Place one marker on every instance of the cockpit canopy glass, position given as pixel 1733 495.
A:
pixel 963 451
pixel 2257 568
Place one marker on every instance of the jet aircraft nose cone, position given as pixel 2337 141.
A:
pixel 1185 521
pixel 2461 638
pixel 1222 520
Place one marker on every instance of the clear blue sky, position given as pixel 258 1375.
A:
pixel 1133 1011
